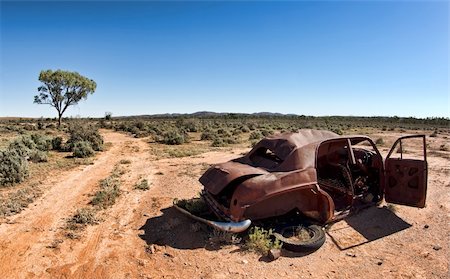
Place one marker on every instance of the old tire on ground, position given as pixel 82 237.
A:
pixel 315 240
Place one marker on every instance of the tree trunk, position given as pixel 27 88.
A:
pixel 59 120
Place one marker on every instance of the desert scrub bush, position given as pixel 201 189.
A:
pixel 221 238
pixel 245 129
pixel 57 143
pixel 82 217
pixel 24 145
pixel 337 131
pixel 208 135
pixel 88 133
pixel 38 156
pixel 82 149
pixel 260 241
pixel 142 185
pixel 218 142
pixel 174 137
pixel 195 206
pixel 255 135
pixel 266 133
pixel 434 134
pixel 108 192
pixel 443 147
pixel 43 143
pixel 13 167
pixel 379 141
pixel 16 201
pixel 223 132
pixel 236 132
pixel 188 125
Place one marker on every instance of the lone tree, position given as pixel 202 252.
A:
pixel 61 89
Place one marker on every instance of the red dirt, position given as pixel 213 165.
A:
pixel 118 246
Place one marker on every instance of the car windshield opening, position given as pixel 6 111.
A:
pixel 265 158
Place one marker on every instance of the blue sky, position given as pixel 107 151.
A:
pixel 313 58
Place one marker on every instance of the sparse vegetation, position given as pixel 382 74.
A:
pixel 443 147
pixel 434 134
pixel 379 141
pixel 82 149
pixel 261 241
pixel 103 198
pixel 38 156
pixel 13 167
pixel 17 200
pixel 391 207
pixel 82 217
pixel 255 135
pixel 108 192
pixel 142 185
pixel 195 206
pixel 221 238
pixel 84 133
pixel 174 138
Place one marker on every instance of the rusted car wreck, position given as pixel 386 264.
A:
pixel 318 173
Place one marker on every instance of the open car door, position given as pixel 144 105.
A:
pixel 406 179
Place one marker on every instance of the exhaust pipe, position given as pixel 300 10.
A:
pixel 232 227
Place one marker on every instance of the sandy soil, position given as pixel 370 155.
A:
pixel 401 243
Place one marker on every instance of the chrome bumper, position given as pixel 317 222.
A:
pixel 233 227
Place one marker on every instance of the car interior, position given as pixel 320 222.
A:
pixel 349 175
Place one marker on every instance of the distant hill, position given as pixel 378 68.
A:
pixel 210 114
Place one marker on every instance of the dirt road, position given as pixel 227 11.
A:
pixel 410 243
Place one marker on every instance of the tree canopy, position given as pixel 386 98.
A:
pixel 61 89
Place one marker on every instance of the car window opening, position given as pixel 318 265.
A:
pixel 265 158
pixel 345 182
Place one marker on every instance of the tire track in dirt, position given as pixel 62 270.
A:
pixel 25 239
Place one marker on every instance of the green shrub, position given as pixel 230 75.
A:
pixel 82 149
pixel 218 142
pixel 236 132
pixel 173 138
pixel 84 216
pixel 23 146
pixel 109 191
pixel 245 129
pixel 142 185
pixel 40 125
pixel 255 135
pixel 190 126
pixel 434 134
pixel 14 202
pixel 379 141
pixel 337 131
pixel 87 133
pixel 207 135
pixel 196 206
pixel 42 143
pixel 266 133
pixel 57 143
pixel 260 240
pixel 13 167
pixel 38 156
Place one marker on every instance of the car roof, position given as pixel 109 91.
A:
pixel 296 150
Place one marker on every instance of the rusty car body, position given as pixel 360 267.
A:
pixel 318 173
